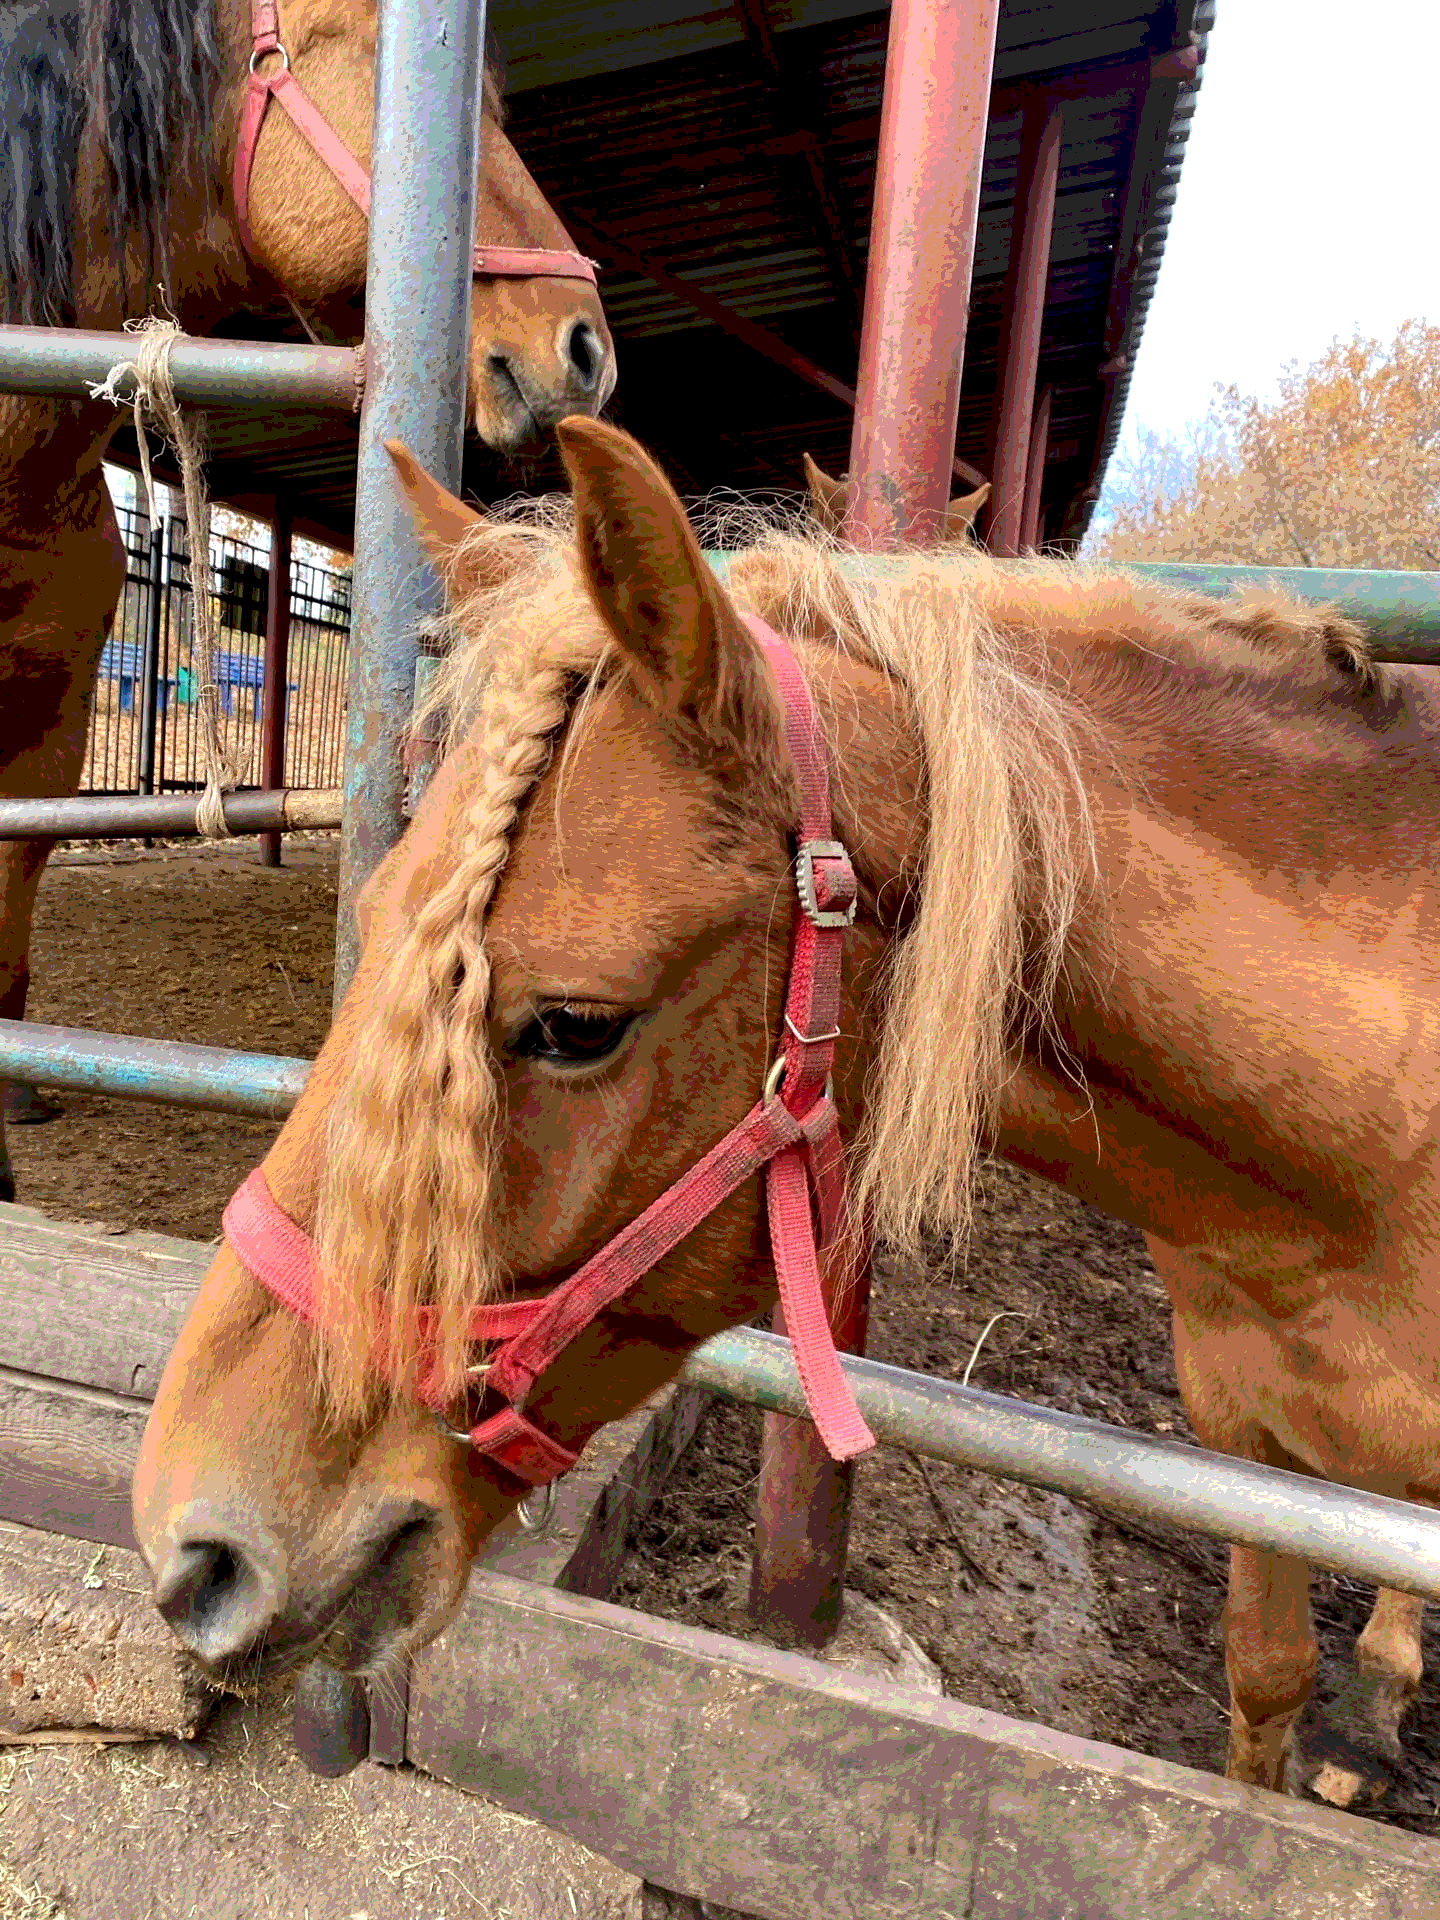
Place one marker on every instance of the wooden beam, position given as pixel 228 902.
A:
pixel 772 1783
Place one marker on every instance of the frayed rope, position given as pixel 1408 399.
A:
pixel 150 394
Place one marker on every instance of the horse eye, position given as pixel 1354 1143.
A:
pixel 566 1037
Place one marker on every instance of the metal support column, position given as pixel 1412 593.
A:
pixel 1035 472
pixel 417 333
pixel 276 669
pixel 1021 320
pixel 150 675
pixel 922 243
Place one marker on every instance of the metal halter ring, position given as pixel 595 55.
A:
pixel 264 53
pixel 777 1073
pixel 529 1519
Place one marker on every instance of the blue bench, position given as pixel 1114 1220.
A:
pixel 124 661
pixel 245 671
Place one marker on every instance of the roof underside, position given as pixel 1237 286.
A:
pixel 733 146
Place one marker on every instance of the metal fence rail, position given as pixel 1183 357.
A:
pixel 1136 1474
pixel 67 362
pixel 122 816
pixel 171 1072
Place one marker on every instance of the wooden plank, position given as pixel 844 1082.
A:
pixel 86 1303
pixel 772 1783
pixel 66 1459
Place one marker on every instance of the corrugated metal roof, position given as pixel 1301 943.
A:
pixel 657 124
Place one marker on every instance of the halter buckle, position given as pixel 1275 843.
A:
pixel 264 53
pixel 808 852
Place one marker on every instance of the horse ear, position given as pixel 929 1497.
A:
pixel 828 498
pixel 961 513
pixel 691 654
pixel 441 520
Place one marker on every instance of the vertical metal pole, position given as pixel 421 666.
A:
pixel 1035 472
pixel 922 244
pixel 150 664
pixel 424 158
pixel 417 332
pixel 277 667
pixel 1021 320
pixel 803 1497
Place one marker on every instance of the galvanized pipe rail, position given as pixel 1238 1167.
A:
pixel 126 816
pixel 1135 1474
pixel 1400 611
pixel 65 363
pixel 168 1072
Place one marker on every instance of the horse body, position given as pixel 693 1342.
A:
pixel 116 180
pixel 1146 904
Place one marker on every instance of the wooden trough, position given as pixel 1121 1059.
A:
pixel 762 1780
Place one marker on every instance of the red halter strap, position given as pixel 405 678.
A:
pixel 280 85
pixel 791 1137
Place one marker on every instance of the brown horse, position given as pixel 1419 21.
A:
pixel 117 177
pixel 1146 903
pixel 830 501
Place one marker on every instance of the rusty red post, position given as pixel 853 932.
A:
pixel 1022 317
pixel 917 297
pixel 922 245
pixel 803 1497
pixel 276 669
pixel 1035 472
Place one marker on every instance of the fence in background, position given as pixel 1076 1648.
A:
pixel 156 615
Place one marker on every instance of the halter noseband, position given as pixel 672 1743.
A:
pixel 280 85
pixel 791 1137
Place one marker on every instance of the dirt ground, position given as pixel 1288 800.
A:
pixel 1027 1602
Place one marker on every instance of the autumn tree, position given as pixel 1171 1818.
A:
pixel 1341 470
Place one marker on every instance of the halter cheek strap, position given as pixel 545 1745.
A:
pixel 280 85
pixel 791 1137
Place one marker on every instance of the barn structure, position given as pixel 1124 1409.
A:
pixel 719 162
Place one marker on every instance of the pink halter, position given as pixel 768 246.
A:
pixel 791 1136
pixel 280 85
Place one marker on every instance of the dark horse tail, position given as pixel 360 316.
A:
pixel 137 78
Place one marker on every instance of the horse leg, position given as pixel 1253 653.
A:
pixel 1270 1649
pixel 21 864
pixel 1349 1753
pixel 1270 1661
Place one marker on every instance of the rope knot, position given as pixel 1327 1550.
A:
pixel 150 394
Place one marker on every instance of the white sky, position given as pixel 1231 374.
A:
pixel 1306 204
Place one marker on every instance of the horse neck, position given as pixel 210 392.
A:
pixel 1249 1012
pixel 51 484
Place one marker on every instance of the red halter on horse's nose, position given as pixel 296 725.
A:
pixel 791 1137
pixel 280 85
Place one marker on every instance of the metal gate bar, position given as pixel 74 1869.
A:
pixel 1387 1541
pixel 1401 610
pixel 171 1073
pixel 66 362
pixel 123 816
pixel 417 331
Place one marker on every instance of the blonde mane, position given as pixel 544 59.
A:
pixel 1009 860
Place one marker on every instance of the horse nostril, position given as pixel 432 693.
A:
pixel 219 1597
pixel 584 356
